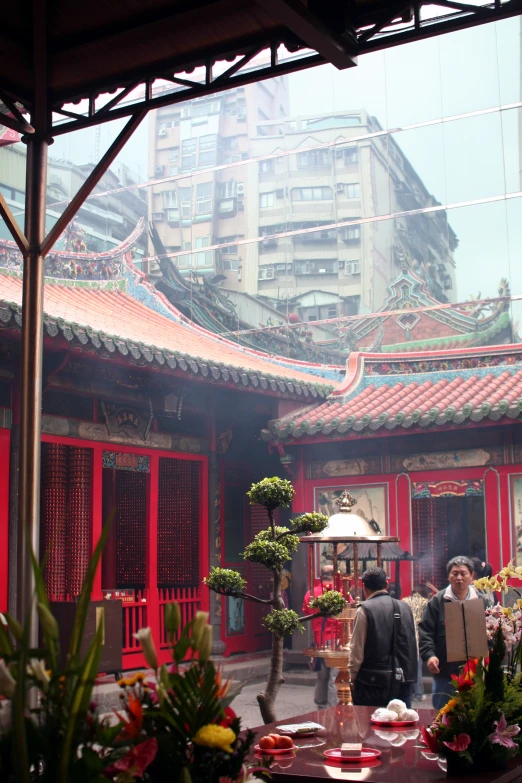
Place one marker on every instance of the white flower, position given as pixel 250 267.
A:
pixel 144 636
pixel 37 670
pixel 7 683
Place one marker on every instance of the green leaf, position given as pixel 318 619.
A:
pixel 14 626
pixel 82 606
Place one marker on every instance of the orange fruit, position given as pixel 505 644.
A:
pixel 267 743
pixel 284 743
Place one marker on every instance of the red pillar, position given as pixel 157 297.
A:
pixel 494 534
pixel 151 552
pixel 404 528
pixel 299 501
pixel 97 518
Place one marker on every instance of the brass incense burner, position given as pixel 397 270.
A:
pixel 343 528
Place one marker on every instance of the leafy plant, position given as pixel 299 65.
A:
pixel 480 725
pixel 49 735
pixel 272 548
pixel 187 713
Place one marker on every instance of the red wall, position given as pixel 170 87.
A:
pixel 499 521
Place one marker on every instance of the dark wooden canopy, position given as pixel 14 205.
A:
pixel 106 45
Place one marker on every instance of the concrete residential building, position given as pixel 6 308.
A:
pixel 329 180
pixel 105 222
pixel 196 206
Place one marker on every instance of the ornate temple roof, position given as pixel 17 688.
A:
pixel 430 326
pixel 101 302
pixel 411 391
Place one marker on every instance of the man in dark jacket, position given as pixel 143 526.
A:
pixel 432 628
pixel 383 649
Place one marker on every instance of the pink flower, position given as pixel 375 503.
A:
pixel 459 743
pixel 503 733
pixel 445 720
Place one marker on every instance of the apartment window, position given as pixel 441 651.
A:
pixel 316 266
pixel 169 198
pixel 231 250
pixel 331 311
pixel 188 154
pixel 281 270
pixel 207 150
pixel 173 170
pixel 339 121
pixel 267 200
pixel 266 166
pixel 313 158
pixel 227 205
pixel 187 245
pixel 351 234
pixel 352 268
pixel 352 190
pixel 312 194
pixel 205 258
pixel 184 262
pixel 350 156
pixel 227 189
pixel 202 241
pixel 174 154
pixel 204 198
pixel 230 265
pixel 173 215
pixel 185 200
pixel 230 109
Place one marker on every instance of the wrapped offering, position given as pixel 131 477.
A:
pixel 351 749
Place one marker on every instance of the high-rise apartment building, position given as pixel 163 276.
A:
pixel 315 195
pixel 192 205
pixel 327 187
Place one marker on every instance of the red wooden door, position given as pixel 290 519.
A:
pixel 259 584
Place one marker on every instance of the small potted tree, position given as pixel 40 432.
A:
pixel 272 548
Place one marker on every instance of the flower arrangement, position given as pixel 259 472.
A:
pixel 186 712
pixel 481 725
pixel 180 724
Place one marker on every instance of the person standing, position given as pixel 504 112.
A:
pixel 417 602
pixel 432 628
pixel 324 631
pixel 383 646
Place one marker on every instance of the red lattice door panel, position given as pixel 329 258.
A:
pixel 259 583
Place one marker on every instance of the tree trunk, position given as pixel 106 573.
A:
pixel 275 678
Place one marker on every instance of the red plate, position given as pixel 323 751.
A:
pixel 273 751
pixel 367 754
pixel 396 723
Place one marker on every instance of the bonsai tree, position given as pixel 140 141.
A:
pixel 272 548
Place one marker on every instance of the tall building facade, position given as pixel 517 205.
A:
pixel 328 187
pixel 315 196
pixel 192 205
pixel 105 222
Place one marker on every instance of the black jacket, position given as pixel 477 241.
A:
pixel 432 635
pixel 378 648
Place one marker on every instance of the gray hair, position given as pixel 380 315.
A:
pixel 460 560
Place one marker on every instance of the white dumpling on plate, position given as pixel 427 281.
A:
pixel 397 706
pixel 409 715
pixel 384 716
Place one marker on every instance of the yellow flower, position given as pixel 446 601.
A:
pixel 212 736
pixel 507 612
pixel 447 708
pixel 128 682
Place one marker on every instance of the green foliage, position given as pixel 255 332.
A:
pixel 329 604
pixel 485 701
pixel 48 737
pixel 311 522
pixel 282 622
pixel 272 554
pixel 225 580
pixel 271 493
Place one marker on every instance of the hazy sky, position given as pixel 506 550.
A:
pixel 461 160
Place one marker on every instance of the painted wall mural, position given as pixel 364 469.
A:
pixel 516 515
pixel 345 467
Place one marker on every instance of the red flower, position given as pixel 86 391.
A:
pixel 132 727
pixel 230 716
pixel 430 738
pixel 466 678
pixel 136 761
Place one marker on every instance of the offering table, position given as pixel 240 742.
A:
pixel 400 761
